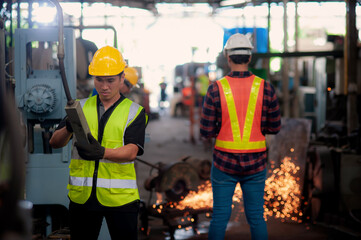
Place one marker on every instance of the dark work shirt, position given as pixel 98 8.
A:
pixel 211 122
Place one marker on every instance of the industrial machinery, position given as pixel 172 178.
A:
pixel 40 97
pixel 175 181
pixel 41 79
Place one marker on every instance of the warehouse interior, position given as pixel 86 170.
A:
pixel 308 50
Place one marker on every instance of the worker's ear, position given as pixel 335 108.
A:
pixel 122 77
pixel 229 61
pixel 250 58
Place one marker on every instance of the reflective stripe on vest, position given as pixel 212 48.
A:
pixel 231 138
pixel 104 183
pixel 81 181
pixel 116 182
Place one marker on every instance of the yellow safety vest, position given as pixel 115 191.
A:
pixel 204 83
pixel 116 182
pixel 241 104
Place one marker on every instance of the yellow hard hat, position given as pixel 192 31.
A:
pixel 131 74
pixel 107 61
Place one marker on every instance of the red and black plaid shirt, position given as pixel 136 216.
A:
pixel 211 122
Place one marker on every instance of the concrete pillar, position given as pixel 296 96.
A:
pixel 285 67
pixel 267 60
pixel 2 57
pixel 30 14
pixel 350 65
pixel 296 80
pixel 18 14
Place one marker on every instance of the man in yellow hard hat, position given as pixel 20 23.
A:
pixel 130 81
pixel 102 181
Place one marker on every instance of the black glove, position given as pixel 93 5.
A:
pixel 68 125
pixel 90 151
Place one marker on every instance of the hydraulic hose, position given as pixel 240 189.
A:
pixel 61 51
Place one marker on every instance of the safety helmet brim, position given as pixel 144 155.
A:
pixel 107 61
pixel 238 44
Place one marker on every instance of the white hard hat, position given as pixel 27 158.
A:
pixel 238 44
pixel 199 71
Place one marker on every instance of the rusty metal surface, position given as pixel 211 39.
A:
pixel 177 179
pixel 292 141
pixel 202 166
pixel 60 234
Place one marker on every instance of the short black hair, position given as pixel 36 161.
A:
pixel 240 59
pixel 121 73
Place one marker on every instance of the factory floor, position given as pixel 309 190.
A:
pixel 168 141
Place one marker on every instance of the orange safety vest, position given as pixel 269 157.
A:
pixel 187 96
pixel 241 126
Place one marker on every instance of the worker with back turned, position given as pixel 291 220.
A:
pixel 239 110
pixel 102 182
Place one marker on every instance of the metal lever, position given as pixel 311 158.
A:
pixel 73 108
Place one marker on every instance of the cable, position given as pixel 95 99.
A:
pixel 6 73
pixel 353 216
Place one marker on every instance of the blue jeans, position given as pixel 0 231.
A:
pixel 223 186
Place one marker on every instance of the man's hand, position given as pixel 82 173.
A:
pixel 91 151
pixel 68 125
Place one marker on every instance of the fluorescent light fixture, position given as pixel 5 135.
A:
pixel 319 41
pixel 233 2
pixel 44 14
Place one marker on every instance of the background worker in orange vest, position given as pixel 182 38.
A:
pixel 239 110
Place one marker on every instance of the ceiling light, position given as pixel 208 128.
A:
pixel 233 2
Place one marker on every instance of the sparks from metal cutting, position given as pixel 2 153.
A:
pixel 282 194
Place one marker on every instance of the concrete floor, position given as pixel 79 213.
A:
pixel 169 141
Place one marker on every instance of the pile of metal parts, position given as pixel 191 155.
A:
pixel 175 181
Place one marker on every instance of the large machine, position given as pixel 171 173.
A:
pixel 40 97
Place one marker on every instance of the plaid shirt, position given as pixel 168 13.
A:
pixel 211 122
